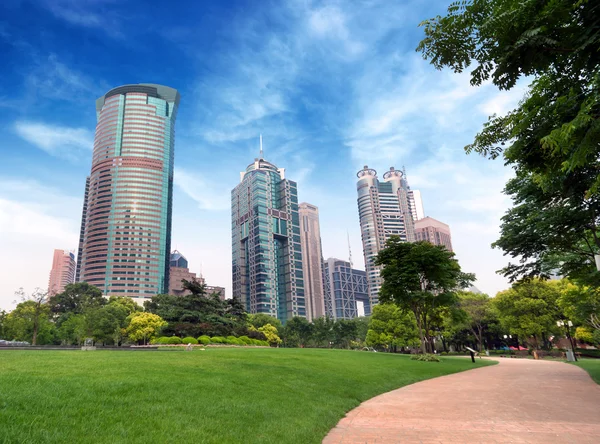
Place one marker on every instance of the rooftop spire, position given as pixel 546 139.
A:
pixel 261 148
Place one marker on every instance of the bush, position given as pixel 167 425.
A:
pixel 189 340
pixel 246 340
pixel 174 340
pixel 264 343
pixel 204 340
pixel 232 340
pixel 162 340
pixel 217 340
pixel 426 357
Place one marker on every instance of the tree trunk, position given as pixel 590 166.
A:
pixel 420 328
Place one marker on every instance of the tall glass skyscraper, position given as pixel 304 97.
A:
pixel 385 210
pixel 267 255
pixel 129 197
pixel 312 260
pixel 344 286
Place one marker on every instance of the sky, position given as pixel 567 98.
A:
pixel 331 86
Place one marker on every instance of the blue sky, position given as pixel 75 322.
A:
pixel 332 86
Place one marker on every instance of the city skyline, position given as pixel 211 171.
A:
pixel 328 94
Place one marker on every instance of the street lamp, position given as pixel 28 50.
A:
pixel 568 324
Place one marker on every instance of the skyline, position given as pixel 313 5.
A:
pixel 328 93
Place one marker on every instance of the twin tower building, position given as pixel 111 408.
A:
pixel 277 265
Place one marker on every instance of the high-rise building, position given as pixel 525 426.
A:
pixel 62 272
pixel 266 245
pixel 178 271
pixel 312 260
pixel 127 234
pixel 344 288
pixel 416 204
pixel 384 210
pixel 82 229
pixel 434 231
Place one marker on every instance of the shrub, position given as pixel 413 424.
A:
pixel 232 340
pixel 264 343
pixel 204 340
pixel 217 340
pixel 174 340
pixel 162 340
pixel 189 340
pixel 246 340
pixel 425 357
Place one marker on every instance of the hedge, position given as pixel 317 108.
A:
pixel 217 340
pixel 174 340
pixel 204 339
pixel 189 340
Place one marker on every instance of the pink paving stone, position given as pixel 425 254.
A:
pixel 516 401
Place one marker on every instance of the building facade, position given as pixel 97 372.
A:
pixel 266 242
pixel 416 204
pixel 82 229
pixel 384 210
pixel 434 231
pixel 344 287
pixel 127 233
pixel 62 272
pixel 178 271
pixel 312 260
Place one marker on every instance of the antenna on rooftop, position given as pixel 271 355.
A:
pixel 261 148
pixel 349 250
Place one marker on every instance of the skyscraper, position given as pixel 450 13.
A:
pixel 384 210
pixel 344 288
pixel 416 204
pixel 127 235
pixel 312 260
pixel 62 272
pixel 82 229
pixel 434 231
pixel 267 255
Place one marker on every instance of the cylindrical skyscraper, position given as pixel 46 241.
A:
pixel 127 234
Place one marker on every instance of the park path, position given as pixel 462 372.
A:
pixel 516 401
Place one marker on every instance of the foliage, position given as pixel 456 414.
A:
pixel 427 357
pixel 579 303
pixel 143 326
pixel 73 329
pixel 530 309
pixel 596 337
pixel 259 319
pixel 189 340
pixel 30 321
pixel 217 340
pixel 76 299
pixel 478 314
pixel 322 331
pixel 174 340
pixel 270 333
pixel 552 139
pixel 297 332
pixel 420 277
pixel 246 340
pixel 390 327
pixel 584 334
pixel 216 386
pixel 204 340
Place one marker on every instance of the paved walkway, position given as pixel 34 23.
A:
pixel 517 401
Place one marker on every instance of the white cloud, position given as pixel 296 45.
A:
pixel 206 195
pixel 58 141
pixel 329 22
pixel 88 14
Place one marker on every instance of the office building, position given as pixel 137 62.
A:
pixel 266 245
pixel 178 271
pixel 62 272
pixel 434 231
pixel 344 287
pixel 312 260
pixel 82 229
pixel 127 227
pixel 385 210
pixel 416 204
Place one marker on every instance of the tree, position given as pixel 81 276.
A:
pixel 129 304
pixel 259 319
pixel 76 299
pixel 579 303
pixel 478 312
pixel 389 328
pixel 344 331
pixel 3 315
pixel 552 139
pixel 33 311
pixel 297 331
pixel 323 331
pixel 530 310
pixel 270 332
pixel 106 323
pixel 143 326
pixel 420 277
pixel 73 329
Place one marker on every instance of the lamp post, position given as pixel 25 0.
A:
pixel 568 324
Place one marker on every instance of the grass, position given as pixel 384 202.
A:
pixel 212 396
pixel 592 366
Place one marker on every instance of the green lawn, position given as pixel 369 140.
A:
pixel 592 366
pixel 217 395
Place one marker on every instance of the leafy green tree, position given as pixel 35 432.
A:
pixel 530 310
pixel 297 331
pixel 552 139
pixel 362 326
pixel 420 277
pixel 478 313
pixel 73 330
pixel 390 328
pixel 76 299
pixel 129 304
pixel 344 332
pixel 143 326
pixel 259 319
pixel 30 321
pixel 106 323
pixel 270 332
pixel 579 303
pixel 323 331
pixel 3 315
